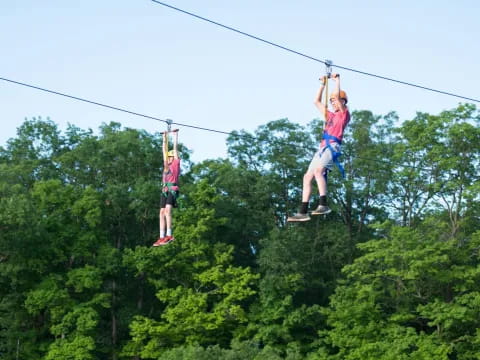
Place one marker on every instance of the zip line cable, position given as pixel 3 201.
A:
pixel 110 106
pixel 238 31
pixel 168 121
pixel 311 57
pixel 81 99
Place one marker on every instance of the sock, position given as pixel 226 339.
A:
pixel 162 233
pixel 304 208
pixel 169 232
pixel 323 200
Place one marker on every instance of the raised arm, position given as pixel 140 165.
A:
pixel 165 148
pixel 175 144
pixel 318 98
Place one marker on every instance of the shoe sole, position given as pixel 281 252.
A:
pixel 297 220
pixel 321 213
pixel 163 243
pixel 168 242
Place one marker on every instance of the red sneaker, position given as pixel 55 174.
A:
pixel 159 242
pixel 167 239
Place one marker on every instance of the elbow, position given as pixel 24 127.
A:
pixel 319 105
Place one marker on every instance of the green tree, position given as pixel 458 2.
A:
pixel 202 294
pixel 410 296
pixel 435 159
pixel 278 153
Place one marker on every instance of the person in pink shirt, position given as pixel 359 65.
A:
pixel 170 189
pixel 329 149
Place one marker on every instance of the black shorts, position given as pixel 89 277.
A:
pixel 169 198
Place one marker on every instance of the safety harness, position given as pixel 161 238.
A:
pixel 326 135
pixel 171 188
pixel 335 154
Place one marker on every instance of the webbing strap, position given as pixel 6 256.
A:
pixel 335 154
pixel 326 94
pixel 169 186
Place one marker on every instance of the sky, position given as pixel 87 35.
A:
pixel 147 58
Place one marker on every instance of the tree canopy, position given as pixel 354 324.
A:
pixel 392 273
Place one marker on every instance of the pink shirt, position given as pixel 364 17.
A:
pixel 172 175
pixel 336 124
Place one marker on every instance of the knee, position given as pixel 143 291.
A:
pixel 319 173
pixel 307 177
pixel 162 212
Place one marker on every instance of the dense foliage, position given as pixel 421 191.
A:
pixel 392 273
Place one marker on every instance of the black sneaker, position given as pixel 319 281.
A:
pixel 321 210
pixel 299 217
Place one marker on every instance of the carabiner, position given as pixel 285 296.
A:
pixel 169 125
pixel 328 68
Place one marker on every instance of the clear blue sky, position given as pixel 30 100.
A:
pixel 147 58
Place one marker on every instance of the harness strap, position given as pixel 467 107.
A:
pixel 335 154
pixel 169 187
